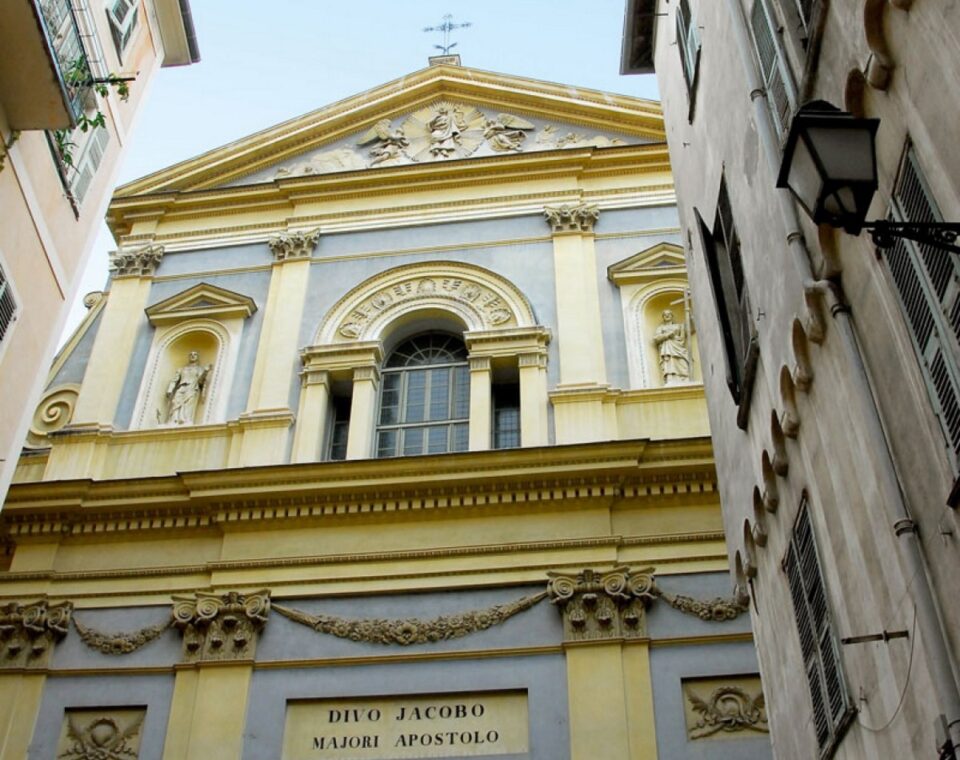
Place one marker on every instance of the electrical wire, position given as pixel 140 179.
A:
pixel 906 681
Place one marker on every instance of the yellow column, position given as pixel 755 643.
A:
pixel 578 296
pixel 113 347
pixel 276 362
pixel 20 697
pixel 533 399
pixel 598 709
pixel 312 416
pixel 480 403
pixel 639 701
pixel 363 408
pixel 208 712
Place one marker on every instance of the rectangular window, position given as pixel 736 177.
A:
pixel 688 42
pixel 773 68
pixel 340 427
pixel 91 148
pixel 831 703
pixel 724 262
pixel 123 16
pixel 8 304
pixel 927 281
pixel 506 416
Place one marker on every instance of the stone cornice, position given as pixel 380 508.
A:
pixel 364 487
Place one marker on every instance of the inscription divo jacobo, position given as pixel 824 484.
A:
pixel 480 724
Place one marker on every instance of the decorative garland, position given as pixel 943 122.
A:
pixel 120 643
pixel 407 631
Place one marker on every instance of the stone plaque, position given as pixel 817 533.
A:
pixel 476 724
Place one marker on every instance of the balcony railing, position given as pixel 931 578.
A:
pixel 66 39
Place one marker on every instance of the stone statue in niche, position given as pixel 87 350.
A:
pixel 506 132
pixel 185 391
pixel 671 341
pixel 389 143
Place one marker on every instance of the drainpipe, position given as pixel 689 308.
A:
pixel 910 550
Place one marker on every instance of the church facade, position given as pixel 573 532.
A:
pixel 387 440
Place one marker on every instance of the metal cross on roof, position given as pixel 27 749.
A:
pixel 446 27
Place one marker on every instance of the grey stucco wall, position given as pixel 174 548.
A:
pixel 75 366
pixel 669 665
pixel 118 691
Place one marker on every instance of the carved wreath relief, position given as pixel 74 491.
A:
pixel 717 707
pixel 442 131
pixel 101 734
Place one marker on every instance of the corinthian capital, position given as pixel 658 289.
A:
pixel 569 218
pixel 294 245
pixel 141 262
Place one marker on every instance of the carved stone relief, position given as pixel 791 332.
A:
pixel 493 311
pixel 442 131
pixel 141 262
pixel 101 734
pixel 120 643
pixel 717 707
pixel 570 218
pixel 28 632
pixel 54 412
pixel 602 605
pixel 220 626
pixel 294 245
pixel 407 631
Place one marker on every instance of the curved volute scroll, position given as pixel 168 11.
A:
pixel 771 494
pixel 881 64
pixel 759 518
pixel 475 297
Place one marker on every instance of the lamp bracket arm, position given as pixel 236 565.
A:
pixel 942 235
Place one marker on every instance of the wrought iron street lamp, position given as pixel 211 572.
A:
pixel 830 166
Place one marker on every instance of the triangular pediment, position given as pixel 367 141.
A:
pixel 662 259
pixel 439 114
pixel 201 301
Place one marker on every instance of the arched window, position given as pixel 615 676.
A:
pixel 425 397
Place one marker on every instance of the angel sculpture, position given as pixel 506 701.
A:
pixel 390 143
pixel 506 132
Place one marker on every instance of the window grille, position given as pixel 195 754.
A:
pixel 688 41
pixel 927 281
pixel 340 428
pixel 772 69
pixel 425 397
pixel 8 304
pixel 506 416
pixel 831 703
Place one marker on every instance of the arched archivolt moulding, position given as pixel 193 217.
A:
pixel 472 296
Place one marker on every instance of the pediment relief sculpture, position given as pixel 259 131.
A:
pixel 442 131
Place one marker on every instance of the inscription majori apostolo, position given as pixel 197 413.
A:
pixel 392 728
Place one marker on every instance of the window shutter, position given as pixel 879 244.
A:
pixel 770 70
pixel 688 41
pixel 928 283
pixel 8 305
pixel 817 642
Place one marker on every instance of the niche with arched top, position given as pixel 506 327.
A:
pixel 185 371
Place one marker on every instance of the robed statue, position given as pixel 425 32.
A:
pixel 186 390
pixel 671 341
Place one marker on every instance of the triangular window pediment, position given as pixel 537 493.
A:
pixel 656 261
pixel 201 301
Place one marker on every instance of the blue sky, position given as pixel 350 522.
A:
pixel 263 63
